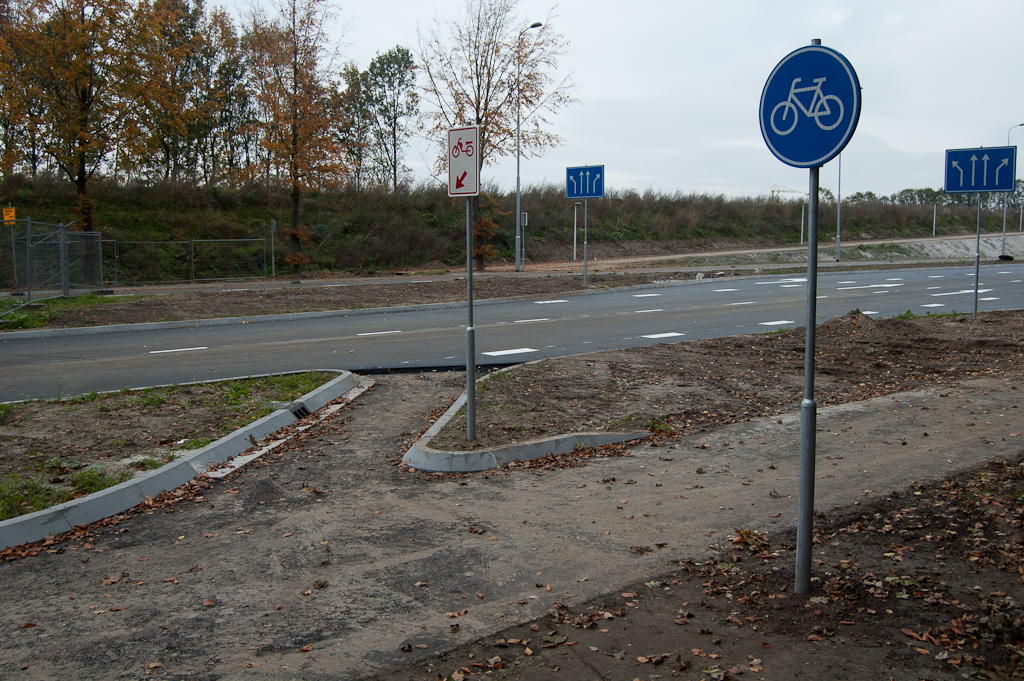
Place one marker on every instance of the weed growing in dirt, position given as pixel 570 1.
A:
pixel 93 480
pixel 20 495
pixel 910 314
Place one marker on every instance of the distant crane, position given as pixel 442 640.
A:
pixel 778 189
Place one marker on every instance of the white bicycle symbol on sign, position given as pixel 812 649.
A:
pixel 822 108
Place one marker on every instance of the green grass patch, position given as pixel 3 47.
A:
pixel 53 308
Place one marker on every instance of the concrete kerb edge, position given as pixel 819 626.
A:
pixel 105 503
pixel 425 458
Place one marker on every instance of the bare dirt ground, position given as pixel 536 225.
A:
pixel 668 559
pixel 64 449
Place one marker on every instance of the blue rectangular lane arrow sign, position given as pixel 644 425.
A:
pixel 584 182
pixel 985 169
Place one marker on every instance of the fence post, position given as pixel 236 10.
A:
pixel 191 261
pixel 62 249
pixel 28 260
pixel 14 255
pixel 273 264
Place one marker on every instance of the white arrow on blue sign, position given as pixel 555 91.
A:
pixel 985 169
pixel 584 182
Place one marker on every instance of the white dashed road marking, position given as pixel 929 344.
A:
pixel 516 351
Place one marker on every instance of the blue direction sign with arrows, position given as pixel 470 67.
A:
pixel 985 169
pixel 584 182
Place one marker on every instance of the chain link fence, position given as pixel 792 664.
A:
pixel 43 260
pixel 47 260
pixel 162 262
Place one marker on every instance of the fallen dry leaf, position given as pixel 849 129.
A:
pixel 209 602
pixel 306 649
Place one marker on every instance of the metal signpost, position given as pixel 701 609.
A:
pixel 985 169
pixel 584 182
pixel 810 107
pixel 464 180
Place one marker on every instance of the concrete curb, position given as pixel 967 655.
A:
pixel 425 458
pixel 113 500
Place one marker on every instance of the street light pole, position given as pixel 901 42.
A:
pixel 1005 197
pixel 519 75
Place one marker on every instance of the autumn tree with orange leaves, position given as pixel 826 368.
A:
pixel 85 76
pixel 296 99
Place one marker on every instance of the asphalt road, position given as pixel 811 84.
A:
pixel 48 364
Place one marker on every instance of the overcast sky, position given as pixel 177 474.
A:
pixel 669 91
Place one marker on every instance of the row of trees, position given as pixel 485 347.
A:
pixel 931 197
pixel 139 91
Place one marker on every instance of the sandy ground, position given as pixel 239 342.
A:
pixel 330 560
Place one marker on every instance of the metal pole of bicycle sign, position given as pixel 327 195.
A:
pixel 810 107
pixel 464 180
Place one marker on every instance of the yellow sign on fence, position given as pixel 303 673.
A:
pixel 8 215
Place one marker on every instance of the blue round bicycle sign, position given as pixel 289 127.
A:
pixel 810 106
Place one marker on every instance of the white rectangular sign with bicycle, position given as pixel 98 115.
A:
pixel 464 161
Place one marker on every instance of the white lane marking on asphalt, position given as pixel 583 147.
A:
pixel 723 290
pixel 646 295
pixel 791 286
pixel 895 279
pixel 961 291
pixel 746 302
pixel 654 310
pixel 846 282
pixel 851 288
pixel 783 281
pixel 527 321
pixel 870 311
pixel 516 351
pixel 932 288
pixel 989 298
pixel 936 276
pixel 877 292
pixel 670 334
pixel 1015 281
pixel 548 302
pixel 778 322
pixel 377 333
pixel 934 305
pixel 1004 272
pixel 162 352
